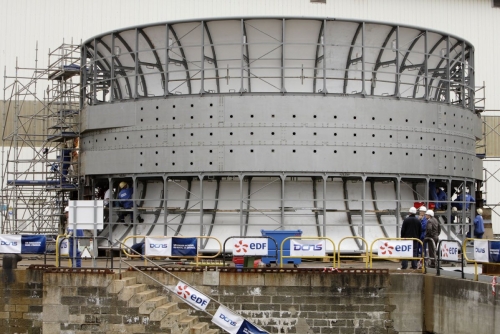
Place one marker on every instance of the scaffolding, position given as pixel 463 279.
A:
pixel 40 164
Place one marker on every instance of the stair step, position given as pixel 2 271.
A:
pixel 149 305
pixel 173 318
pixel 199 328
pixel 130 290
pixel 118 284
pixel 212 331
pixel 188 321
pixel 141 297
pixel 160 312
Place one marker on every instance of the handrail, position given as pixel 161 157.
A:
pixel 401 258
pixel 166 287
pixel 309 256
pixel 439 256
pixel 196 257
pixel 366 256
pixel 62 237
pixel 464 254
pixel 249 237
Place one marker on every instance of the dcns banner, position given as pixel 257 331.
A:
pixel 158 246
pixel 10 244
pixel 299 247
pixel 22 244
pixel 395 248
pixel 481 251
pixel 250 246
pixel 227 320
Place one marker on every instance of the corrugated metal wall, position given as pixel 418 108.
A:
pixel 25 22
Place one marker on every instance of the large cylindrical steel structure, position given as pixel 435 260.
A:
pixel 225 127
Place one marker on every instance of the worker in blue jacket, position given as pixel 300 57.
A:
pixel 468 199
pixel 72 240
pixel 441 197
pixel 125 201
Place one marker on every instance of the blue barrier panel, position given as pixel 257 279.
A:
pixel 279 236
pixel 22 244
pixel 495 251
pixel 184 246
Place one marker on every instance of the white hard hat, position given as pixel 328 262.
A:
pixel 66 209
pixel 422 208
pixel 479 211
pixel 430 213
pixel 441 188
pixel 454 209
pixel 413 210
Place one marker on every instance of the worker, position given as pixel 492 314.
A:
pixel 125 201
pixel 441 197
pixel 71 241
pixel 468 199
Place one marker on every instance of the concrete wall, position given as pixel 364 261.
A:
pixel 291 302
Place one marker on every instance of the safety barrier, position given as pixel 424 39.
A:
pixel 249 246
pixel 366 256
pixel 305 249
pixel 484 250
pixel 448 251
pixel 63 249
pixel 161 247
pixel 393 248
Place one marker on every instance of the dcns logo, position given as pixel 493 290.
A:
pixel 158 245
pixel 226 319
pixel 308 247
pixel 6 243
pixel 480 250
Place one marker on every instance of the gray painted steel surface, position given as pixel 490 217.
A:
pixel 288 100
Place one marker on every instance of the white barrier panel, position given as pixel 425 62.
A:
pixel 192 296
pixel 481 253
pixel 449 250
pixel 10 244
pixel 87 215
pixel 251 246
pixel 64 247
pixel 301 247
pixel 227 320
pixel 395 248
pixel 158 247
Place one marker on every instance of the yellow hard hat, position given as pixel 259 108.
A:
pixel 123 185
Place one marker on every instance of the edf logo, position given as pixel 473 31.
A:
pixel 198 300
pixel 258 245
pixel 403 248
pixel 158 245
pixel 317 247
pixel 227 319
pixel 5 243
pixel 241 247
